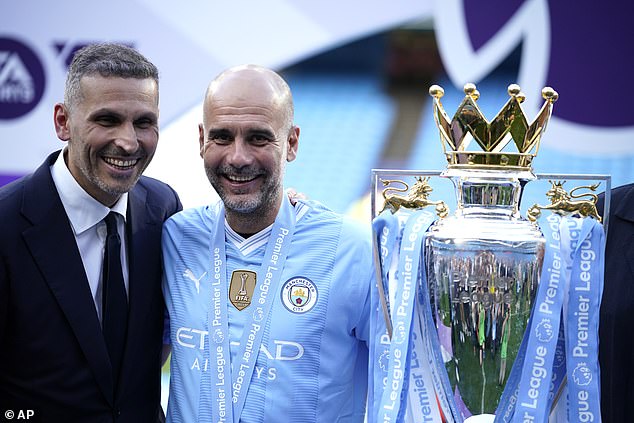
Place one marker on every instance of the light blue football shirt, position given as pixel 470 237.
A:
pixel 312 364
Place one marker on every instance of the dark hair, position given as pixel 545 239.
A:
pixel 107 60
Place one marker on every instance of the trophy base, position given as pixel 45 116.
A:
pixel 481 418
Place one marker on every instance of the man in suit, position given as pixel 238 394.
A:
pixel 616 346
pixel 57 354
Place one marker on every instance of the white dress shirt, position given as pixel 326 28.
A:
pixel 86 218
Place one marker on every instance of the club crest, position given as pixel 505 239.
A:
pixel 241 288
pixel 299 295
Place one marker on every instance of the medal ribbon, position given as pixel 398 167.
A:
pixel 218 327
pixel 269 274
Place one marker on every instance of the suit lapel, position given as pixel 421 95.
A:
pixel 625 210
pixel 55 251
pixel 143 238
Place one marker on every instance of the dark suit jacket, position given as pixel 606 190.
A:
pixel 53 357
pixel 616 336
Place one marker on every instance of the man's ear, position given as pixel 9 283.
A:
pixel 201 138
pixel 293 144
pixel 61 119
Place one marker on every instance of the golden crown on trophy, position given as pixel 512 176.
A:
pixel 494 139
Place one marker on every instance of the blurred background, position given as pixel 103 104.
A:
pixel 359 71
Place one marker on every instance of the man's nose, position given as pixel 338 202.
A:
pixel 240 154
pixel 126 137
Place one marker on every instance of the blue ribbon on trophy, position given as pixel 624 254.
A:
pixel 403 360
pixel 542 335
pixel 582 321
pixel 488 333
pixel 392 409
pixel 387 234
pixel 572 271
pixel 408 369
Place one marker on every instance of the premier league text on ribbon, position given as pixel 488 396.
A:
pixel 581 345
pixel 533 393
pixel 409 260
pixel 221 360
pixel 245 366
pixel 588 257
pixel 554 271
pixel 582 319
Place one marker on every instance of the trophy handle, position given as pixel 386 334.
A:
pixel 416 198
pixel 567 202
pixel 395 197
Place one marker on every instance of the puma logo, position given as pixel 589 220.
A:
pixel 190 275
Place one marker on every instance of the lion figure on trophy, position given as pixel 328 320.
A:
pixel 564 202
pixel 416 198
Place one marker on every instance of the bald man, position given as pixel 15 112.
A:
pixel 268 301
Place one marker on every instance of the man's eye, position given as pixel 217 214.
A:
pixel 107 120
pixel 220 138
pixel 144 123
pixel 259 140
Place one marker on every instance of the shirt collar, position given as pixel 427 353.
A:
pixel 82 210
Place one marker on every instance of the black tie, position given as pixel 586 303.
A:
pixel 115 303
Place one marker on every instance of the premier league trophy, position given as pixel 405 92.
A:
pixel 474 301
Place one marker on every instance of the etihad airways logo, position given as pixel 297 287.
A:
pixel 280 350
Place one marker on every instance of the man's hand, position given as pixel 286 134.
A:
pixel 293 195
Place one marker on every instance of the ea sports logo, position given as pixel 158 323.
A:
pixel 21 79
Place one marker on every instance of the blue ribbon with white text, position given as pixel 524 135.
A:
pixel 586 237
pixel 562 335
pixel 395 395
pixel 269 274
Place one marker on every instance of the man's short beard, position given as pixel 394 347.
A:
pixel 242 206
pixel 254 206
pixel 113 190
